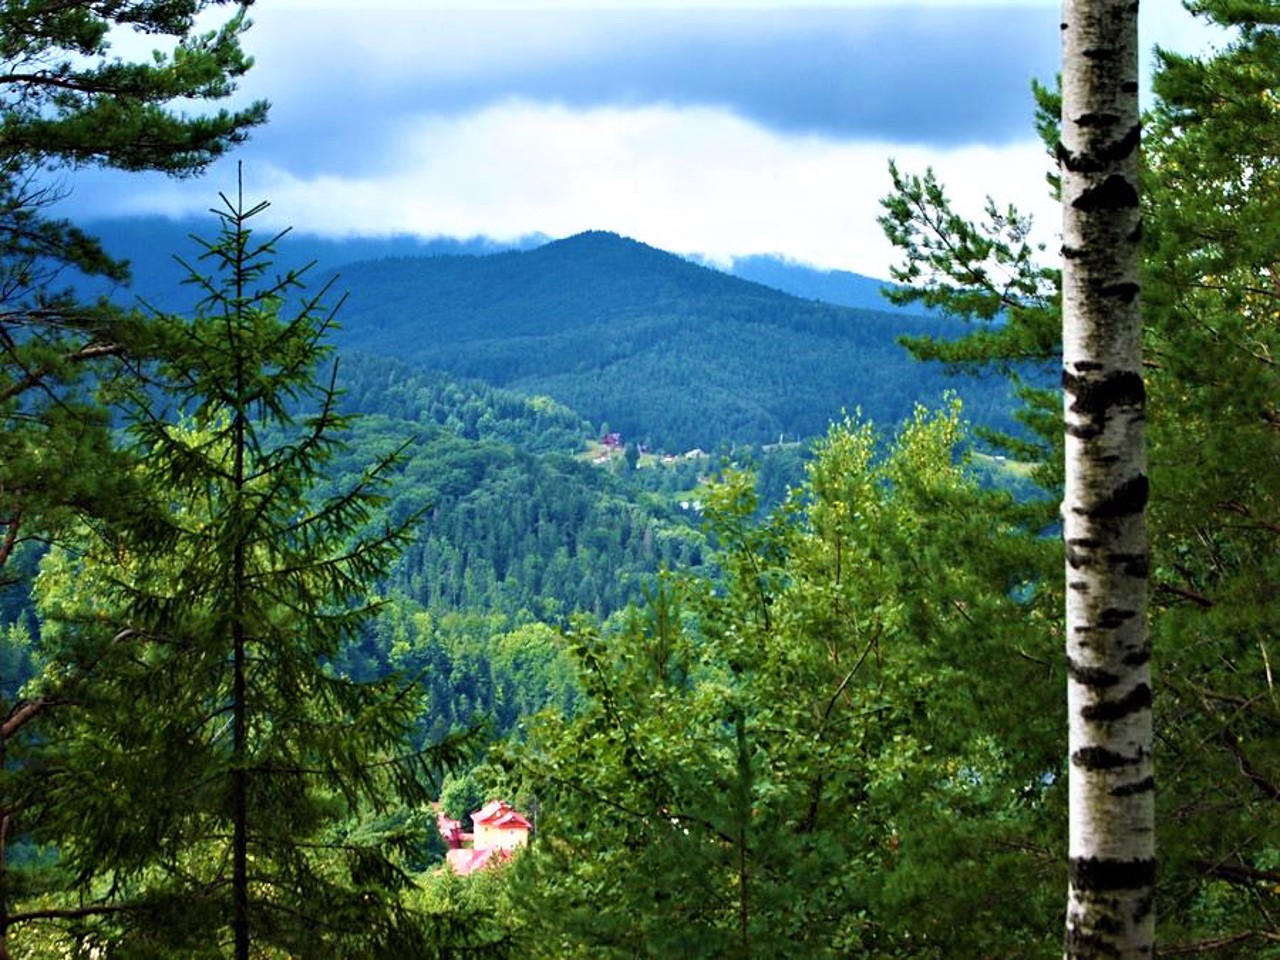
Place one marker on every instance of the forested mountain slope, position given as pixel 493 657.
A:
pixel 512 521
pixel 657 347
pixel 666 351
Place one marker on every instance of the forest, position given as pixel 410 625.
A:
pixel 294 560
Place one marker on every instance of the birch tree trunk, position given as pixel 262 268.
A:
pixel 1111 783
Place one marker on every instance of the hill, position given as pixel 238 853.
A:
pixel 665 351
pixel 653 345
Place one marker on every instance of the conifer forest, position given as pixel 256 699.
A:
pixel 944 627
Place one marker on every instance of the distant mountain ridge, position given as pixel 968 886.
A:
pixel 151 242
pixel 647 342
pixel 830 286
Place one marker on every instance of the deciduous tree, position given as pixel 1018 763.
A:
pixel 1110 909
pixel 815 741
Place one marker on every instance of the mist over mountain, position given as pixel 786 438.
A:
pixel 830 286
pixel 151 245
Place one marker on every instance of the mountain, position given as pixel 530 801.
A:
pixel 667 352
pixel 151 243
pixel 659 348
pixel 830 286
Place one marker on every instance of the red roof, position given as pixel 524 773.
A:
pixel 510 820
pixel 491 809
pixel 501 815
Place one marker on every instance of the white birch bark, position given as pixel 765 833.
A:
pixel 1111 782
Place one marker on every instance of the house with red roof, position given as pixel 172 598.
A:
pixel 467 860
pixel 497 830
pixel 497 824
pixel 450 831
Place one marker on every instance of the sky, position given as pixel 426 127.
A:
pixel 714 128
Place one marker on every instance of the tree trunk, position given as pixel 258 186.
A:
pixel 1111 784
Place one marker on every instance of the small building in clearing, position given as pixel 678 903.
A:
pixel 498 824
pixel 497 830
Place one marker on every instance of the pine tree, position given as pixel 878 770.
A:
pixel 1210 299
pixel 257 798
pixel 70 103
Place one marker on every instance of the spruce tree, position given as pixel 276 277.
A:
pixel 221 790
pixel 70 103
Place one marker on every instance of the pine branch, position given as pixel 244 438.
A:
pixel 72 913
pixel 1217 943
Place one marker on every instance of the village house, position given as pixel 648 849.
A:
pixel 498 829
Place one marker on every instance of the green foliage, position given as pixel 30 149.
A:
pixel 74 103
pixel 508 530
pixel 257 796
pixel 989 275
pixel 475 669
pixel 70 103
pixel 461 795
pixel 821 742
pixel 468 409
pixel 1211 298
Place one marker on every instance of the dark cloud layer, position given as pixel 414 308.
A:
pixel 944 77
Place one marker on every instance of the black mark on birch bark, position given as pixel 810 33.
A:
pixel 1096 161
pixel 1114 193
pixel 1126 500
pixel 1100 758
pixel 1078 559
pixel 1145 785
pixel 1135 701
pixel 1091 676
pixel 1131 564
pixel 1092 397
pixel 1099 875
pixel 1112 618
pixel 1124 292
pixel 1087 120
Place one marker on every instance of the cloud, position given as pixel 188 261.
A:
pixel 714 131
pixel 693 180
pixel 344 82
